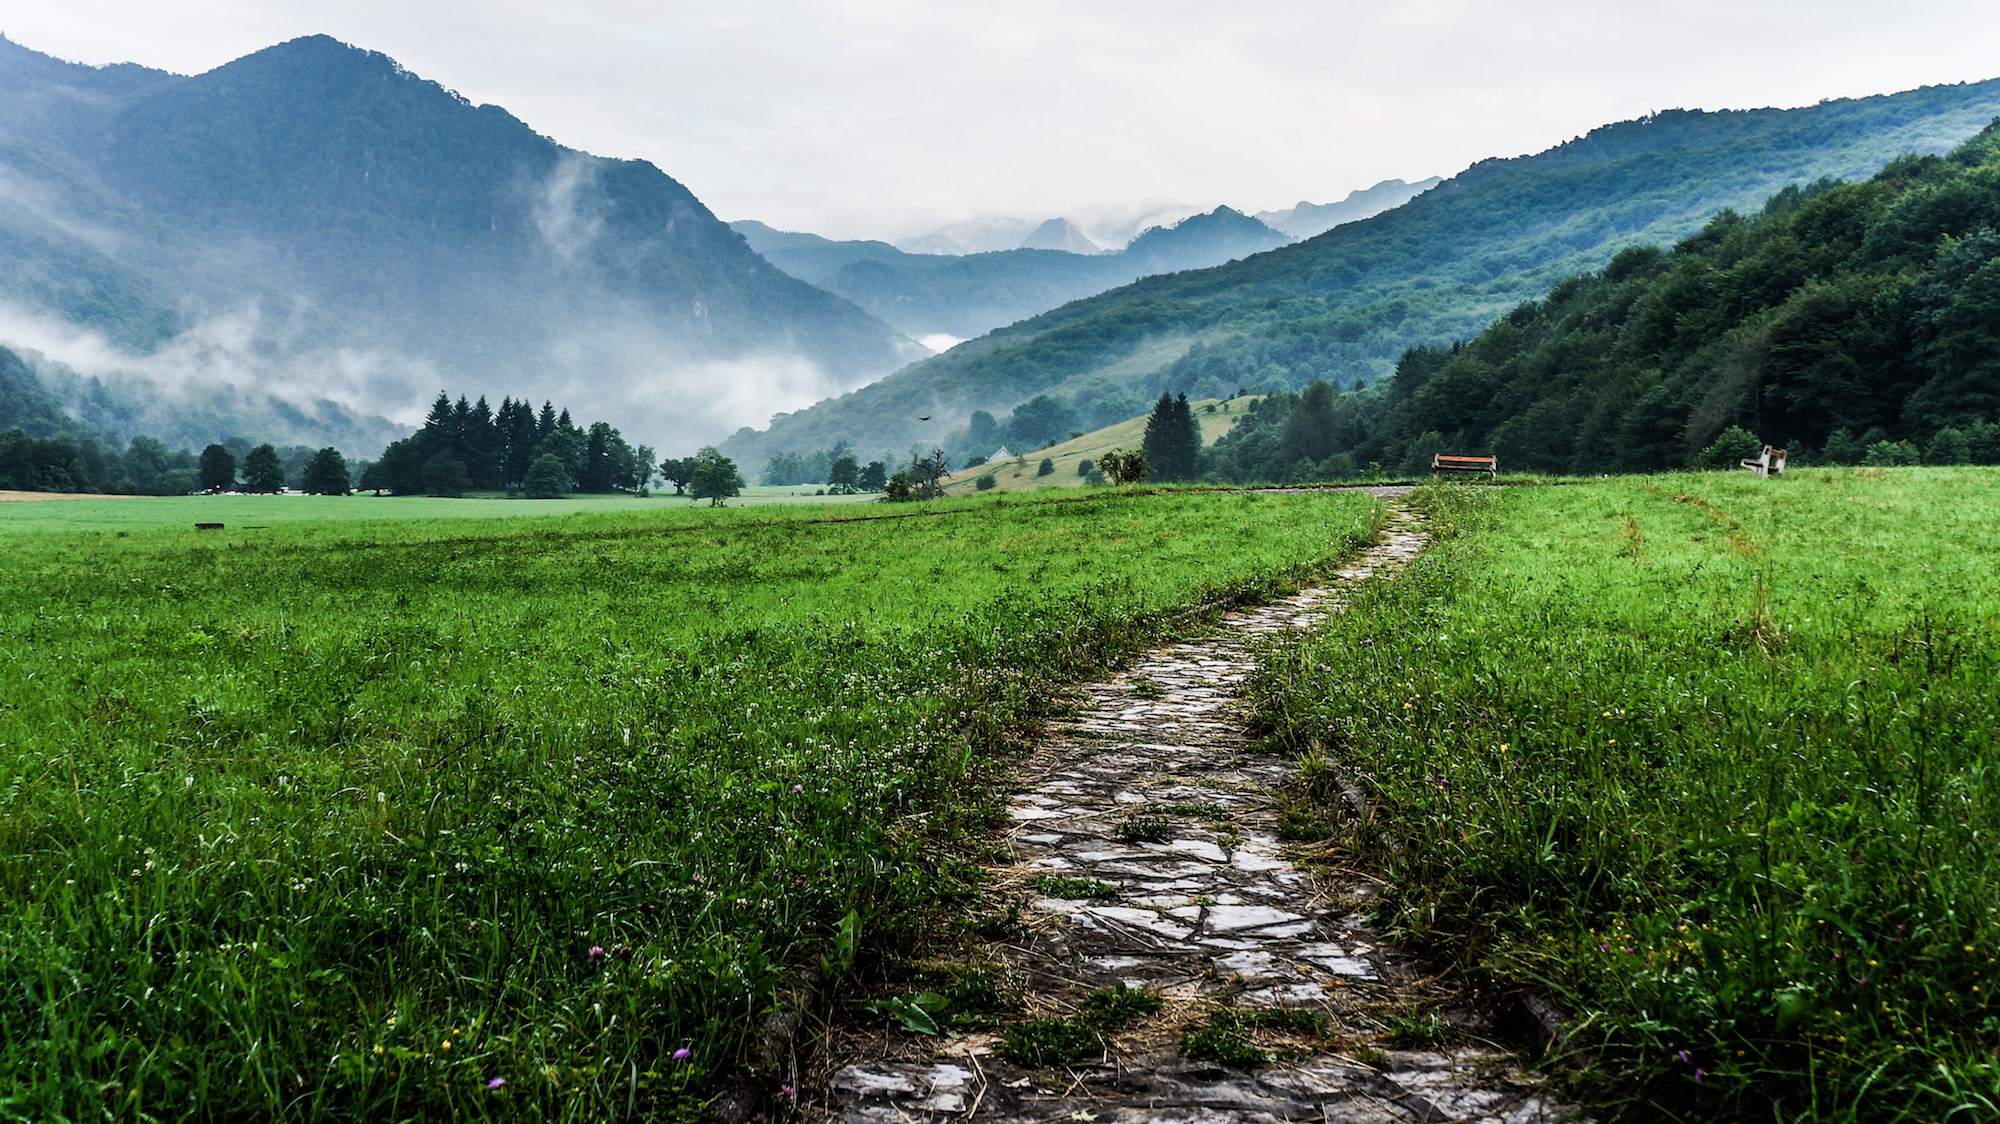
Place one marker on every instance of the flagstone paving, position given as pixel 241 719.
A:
pixel 1153 787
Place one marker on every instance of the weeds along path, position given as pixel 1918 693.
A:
pixel 1174 963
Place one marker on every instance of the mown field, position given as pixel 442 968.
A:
pixel 1714 762
pixel 524 817
pixel 60 512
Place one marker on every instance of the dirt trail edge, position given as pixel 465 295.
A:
pixel 1150 799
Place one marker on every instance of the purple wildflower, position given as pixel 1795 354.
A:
pixel 596 952
pixel 683 1054
pixel 1685 1057
pixel 496 1083
pixel 1700 1076
pixel 798 788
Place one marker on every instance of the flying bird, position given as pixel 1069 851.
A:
pixel 926 417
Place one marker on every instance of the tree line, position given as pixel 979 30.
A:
pixel 838 468
pixel 65 462
pixel 469 446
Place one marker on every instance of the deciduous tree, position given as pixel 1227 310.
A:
pixel 261 470
pixel 715 477
pixel 218 468
pixel 326 474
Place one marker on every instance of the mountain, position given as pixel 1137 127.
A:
pixel 968 295
pixel 973 236
pixel 1346 304
pixel 1306 220
pixel 44 398
pixel 1840 316
pixel 317 221
pixel 1059 234
pixel 1106 226
pixel 1222 235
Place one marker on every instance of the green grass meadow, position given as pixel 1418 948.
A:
pixel 1714 761
pixel 515 816
pixel 243 512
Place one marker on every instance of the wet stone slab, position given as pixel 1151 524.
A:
pixel 1209 908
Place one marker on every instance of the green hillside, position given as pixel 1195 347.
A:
pixel 1347 304
pixel 1216 417
pixel 1841 316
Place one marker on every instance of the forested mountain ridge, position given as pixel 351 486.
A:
pixel 971 294
pixel 334 206
pixel 1347 304
pixel 1840 317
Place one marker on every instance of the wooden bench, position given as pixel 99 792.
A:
pixel 1445 463
pixel 1770 463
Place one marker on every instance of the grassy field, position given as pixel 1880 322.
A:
pixel 58 512
pixel 1020 476
pixel 1715 761
pixel 502 817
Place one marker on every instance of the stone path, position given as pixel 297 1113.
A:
pixel 1152 792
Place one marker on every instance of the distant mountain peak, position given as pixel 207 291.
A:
pixel 1222 234
pixel 1307 219
pixel 1059 234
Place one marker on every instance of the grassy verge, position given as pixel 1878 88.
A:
pixel 466 818
pixel 1711 759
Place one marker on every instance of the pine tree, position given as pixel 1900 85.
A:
pixel 482 439
pixel 522 434
pixel 437 423
pixel 1172 445
pixel 594 475
pixel 1310 430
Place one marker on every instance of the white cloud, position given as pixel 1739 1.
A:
pixel 565 209
pixel 888 117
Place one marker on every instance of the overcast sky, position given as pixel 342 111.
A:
pixel 886 117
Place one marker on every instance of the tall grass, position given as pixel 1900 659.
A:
pixel 1711 759
pixel 528 817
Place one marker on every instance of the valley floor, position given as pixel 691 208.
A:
pixel 549 816
pixel 528 816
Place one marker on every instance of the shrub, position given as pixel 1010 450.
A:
pixel 1842 448
pixel 985 483
pixel 1048 467
pixel 546 478
pixel 1891 453
pixel 1949 445
pixel 1123 466
pixel 1729 449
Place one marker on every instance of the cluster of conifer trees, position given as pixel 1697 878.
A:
pixel 468 446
